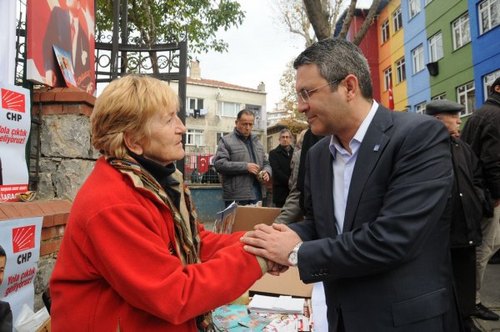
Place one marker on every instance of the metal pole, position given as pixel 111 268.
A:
pixel 124 33
pixel 114 50
pixel 182 92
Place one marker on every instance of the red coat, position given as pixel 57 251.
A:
pixel 117 266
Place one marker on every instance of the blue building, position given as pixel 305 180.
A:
pixel 484 18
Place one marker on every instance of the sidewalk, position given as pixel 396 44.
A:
pixel 490 296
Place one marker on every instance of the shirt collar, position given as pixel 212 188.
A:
pixel 335 145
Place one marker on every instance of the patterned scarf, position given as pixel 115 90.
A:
pixel 187 239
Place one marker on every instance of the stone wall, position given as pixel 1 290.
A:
pixel 66 153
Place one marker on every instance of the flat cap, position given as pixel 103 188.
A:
pixel 443 106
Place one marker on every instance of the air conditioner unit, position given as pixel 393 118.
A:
pixel 433 68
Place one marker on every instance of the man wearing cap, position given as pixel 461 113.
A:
pixel 482 133
pixel 466 208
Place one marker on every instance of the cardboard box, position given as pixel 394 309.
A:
pixel 287 283
pixel 46 326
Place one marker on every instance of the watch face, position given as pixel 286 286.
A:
pixel 292 259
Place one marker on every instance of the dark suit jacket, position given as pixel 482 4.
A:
pixel 5 317
pixel 280 159
pixel 389 270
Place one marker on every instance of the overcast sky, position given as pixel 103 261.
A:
pixel 259 50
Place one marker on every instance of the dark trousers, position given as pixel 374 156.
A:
pixel 463 261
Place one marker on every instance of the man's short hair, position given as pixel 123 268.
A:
pixel 2 252
pixel 493 86
pixel 336 58
pixel 244 111
pixel 285 131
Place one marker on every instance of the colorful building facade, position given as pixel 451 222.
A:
pixel 434 49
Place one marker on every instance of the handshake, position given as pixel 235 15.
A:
pixel 274 243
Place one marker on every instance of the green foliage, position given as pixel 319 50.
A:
pixel 163 21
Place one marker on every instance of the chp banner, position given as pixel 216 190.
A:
pixel 15 124
pixel 20 239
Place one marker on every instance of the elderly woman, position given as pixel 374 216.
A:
pixel 133 257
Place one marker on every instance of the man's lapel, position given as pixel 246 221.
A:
pixel 370 151
pixel 325 185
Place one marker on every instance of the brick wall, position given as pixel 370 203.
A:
pixel 55 214
pixel 62 101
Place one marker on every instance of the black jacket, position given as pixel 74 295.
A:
pixel 467 196
pixel 280 158
pixel 482 133
pixel 5 317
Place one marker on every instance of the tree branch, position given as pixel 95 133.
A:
pixel 366 24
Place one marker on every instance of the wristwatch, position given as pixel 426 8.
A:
pixel 293 256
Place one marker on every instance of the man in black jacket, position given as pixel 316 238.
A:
pixel 482 133
pixel 5 312
pixel 466 209
pixel 280 158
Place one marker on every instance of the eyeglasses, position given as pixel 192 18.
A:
pixel 306 94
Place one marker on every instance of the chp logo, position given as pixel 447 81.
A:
pixel 13 101
pixel 23 238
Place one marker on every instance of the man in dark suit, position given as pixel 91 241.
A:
pixel 376 189
pixel 280 158
pixel 5 312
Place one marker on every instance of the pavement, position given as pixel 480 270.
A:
pixel 490 297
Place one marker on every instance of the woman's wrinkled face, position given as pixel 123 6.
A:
pixel 164 143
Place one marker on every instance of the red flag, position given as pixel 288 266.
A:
pixel 203 163
pixel 391 98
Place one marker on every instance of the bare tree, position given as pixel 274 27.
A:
pixel 318 11
pixel 320 16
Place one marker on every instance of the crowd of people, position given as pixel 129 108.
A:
pixel 393 216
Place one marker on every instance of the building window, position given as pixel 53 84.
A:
pixel 488 81
pixel 218 136
pixel 385 31
pixel 228 109
pixel 195 103
pixel 489 15
pixel 195 107
pixel 439 97
pixel 461 31
pixel 397 19
pixel 194 137
pixel 414 7
pixel 435 47
pixel 420 108
pixel 400 70
pixel 387 78
pixel 417 56
pixel 466 97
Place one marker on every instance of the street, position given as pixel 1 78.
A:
pixel 490 297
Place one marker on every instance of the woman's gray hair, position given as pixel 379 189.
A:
pixel 336 58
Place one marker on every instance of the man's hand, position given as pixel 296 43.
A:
pixel 253 168
pixel 264 176
pixel 271 242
